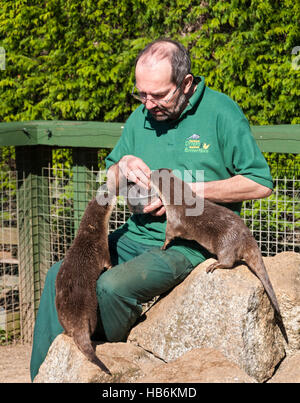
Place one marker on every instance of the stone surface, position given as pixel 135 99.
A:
pixel 227 310
pixel 198 366
pixel 66 364
pixel 129 363
pixel 284 272
pixel 289 370
pixel 216 327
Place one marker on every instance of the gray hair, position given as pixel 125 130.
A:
pixel 174 51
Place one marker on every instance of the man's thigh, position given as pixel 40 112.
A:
pixel 122 248
pixel 122 289
pixel 149 274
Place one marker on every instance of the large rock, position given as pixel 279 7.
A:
pixel 284 271
pixel 66 364
pixel 131 364
pixel 289 370
pixel 198 366
pixel 227 310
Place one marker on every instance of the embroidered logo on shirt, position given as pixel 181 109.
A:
pixel 193 144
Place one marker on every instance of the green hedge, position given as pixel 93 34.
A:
pixel 74 59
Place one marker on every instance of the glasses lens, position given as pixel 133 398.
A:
pixel 143 99
pixel 136 96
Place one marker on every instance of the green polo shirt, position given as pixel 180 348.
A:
pixel 212 135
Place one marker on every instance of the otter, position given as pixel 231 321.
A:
pixel 218 229
pixel 76 299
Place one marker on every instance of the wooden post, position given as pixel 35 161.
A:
pixel 34 229
pixel 85 168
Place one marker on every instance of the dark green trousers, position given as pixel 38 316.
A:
pixel 140 272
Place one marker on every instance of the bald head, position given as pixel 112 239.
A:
pixel 159 51
pixel 163 78
pixel 167 50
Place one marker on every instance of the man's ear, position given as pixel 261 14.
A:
pixel 187 83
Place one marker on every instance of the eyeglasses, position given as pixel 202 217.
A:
pixel 143 97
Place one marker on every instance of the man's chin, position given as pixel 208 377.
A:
pixel 159 116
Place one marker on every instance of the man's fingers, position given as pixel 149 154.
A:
pixel 139 177
pixel 135 170
pixel 157 203
pixel 159 212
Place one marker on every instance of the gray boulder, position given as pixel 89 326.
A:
pixel 216 327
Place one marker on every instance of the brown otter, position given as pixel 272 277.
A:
pixel 88 256
pixel 216 228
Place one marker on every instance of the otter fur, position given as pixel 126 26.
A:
pixel 88 256
pixel 218 229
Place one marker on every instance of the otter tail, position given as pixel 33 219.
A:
pixel 264 278
pixel 257 266
pixel 83 342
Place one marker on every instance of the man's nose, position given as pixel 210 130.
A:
pixel 149 104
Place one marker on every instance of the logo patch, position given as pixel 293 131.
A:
pixel 193 144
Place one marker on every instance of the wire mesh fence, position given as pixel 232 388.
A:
pixel 62 209
pixel 275 221
pixel 9 264
pixel 32 239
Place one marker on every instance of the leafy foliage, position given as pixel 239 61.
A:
pixel 74 59
pixel 7 184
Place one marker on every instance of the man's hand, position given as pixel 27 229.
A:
pixel 135 170
pixel 129 168
pixel 156 208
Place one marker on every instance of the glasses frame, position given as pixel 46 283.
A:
pixel 165 101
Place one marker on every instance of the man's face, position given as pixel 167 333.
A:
pixel 153 81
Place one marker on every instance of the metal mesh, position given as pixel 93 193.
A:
pixel 275 223
pixel 9 273
pixel 62 211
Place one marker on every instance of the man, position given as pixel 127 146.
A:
pixel 182 125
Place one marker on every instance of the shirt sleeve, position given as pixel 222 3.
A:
pixel 241 153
